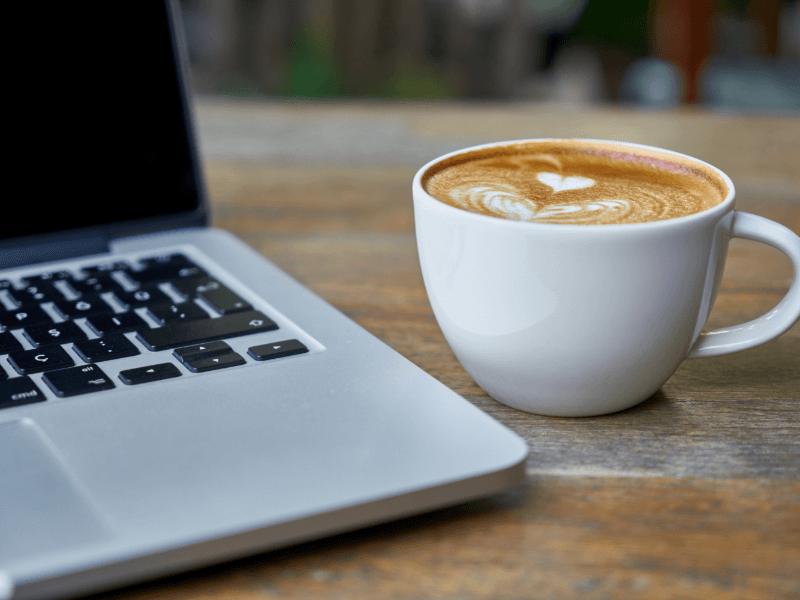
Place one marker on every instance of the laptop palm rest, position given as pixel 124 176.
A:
pixel 42 509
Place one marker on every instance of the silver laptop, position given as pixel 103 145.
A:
pixel 169 398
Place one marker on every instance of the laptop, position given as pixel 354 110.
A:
pixel 168 397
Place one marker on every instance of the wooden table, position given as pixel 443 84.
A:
pixel 693 494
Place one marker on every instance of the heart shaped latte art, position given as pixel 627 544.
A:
pixel 562 184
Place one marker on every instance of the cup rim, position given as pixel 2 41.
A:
pixel 420 195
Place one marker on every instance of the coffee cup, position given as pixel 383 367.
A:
pixel 568 298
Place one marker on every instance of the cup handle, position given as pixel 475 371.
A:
pixel 776 321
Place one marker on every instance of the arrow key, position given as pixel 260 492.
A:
pixel 77 380
pixel 149 373
pixel 277 350
pixel 191 353
pixel 215 362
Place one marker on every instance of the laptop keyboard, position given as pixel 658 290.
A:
pixel 166 303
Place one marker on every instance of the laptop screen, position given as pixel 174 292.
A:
pixel 95 121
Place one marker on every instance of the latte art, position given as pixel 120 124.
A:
pixel 501 202
pixel 573 182
pixel 559 183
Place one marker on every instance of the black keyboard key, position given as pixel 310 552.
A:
pixel 223 300
pixel 149 373
pixel 189 271
pixel 86 306
pixel 78 380
pixel 106 268
pixel 18 391
pixel 150 278
pixel 143 297
pixel 33 315
pixel 192 286
pixel 8 343
pixel 118 323
pixel 175 335
pixel 57 333
pixel 173 313
pixel 163 269
pixel 277 350
pixel 52 276
pixel 96 284
pixel 105 348
pixel 223 361
pixel 174 261
pixel 3 374
pixel 48 358
pixel 37 293
pixel 201 351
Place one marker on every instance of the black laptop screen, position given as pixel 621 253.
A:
pixel 95 123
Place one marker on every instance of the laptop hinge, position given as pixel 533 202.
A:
pixel 64 247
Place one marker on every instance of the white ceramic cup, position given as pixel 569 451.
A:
pixel 580 320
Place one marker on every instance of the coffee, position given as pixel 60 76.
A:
pixel 580 321
pixel 574 182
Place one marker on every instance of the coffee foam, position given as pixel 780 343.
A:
pixel 574 182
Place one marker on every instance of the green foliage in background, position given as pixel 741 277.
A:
pixel 413 81
pixel 311 70
pixel 622 23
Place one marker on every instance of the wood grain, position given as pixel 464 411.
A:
pixel 695 493
pixel 559 537
pixel 348 235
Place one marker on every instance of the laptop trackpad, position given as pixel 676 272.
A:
pixel 41 509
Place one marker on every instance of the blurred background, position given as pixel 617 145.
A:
pixel 727 54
